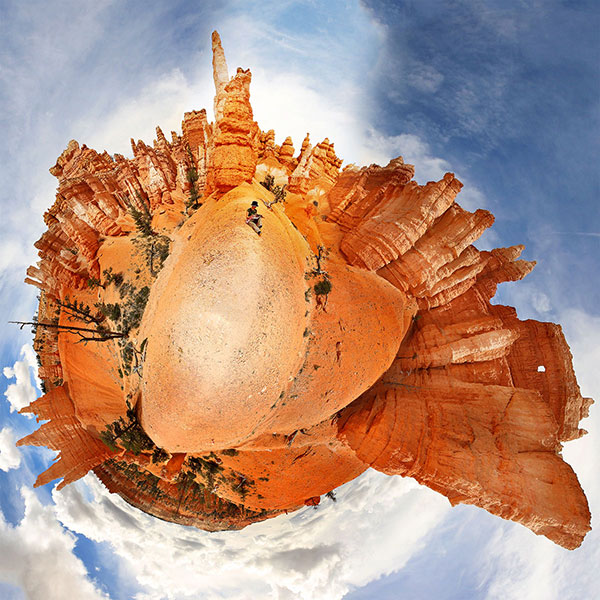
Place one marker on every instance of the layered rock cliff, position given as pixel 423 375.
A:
pixel 214 373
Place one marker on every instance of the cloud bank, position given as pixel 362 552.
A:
pixel 372 530
pixel 37 556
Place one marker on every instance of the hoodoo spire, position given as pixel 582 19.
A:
pixel 220 74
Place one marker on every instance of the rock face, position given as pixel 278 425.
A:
pixel 215 377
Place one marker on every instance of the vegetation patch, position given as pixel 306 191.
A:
pixel 322 287
pixel 193 201
pixel 277 190
pixel 230 452
pixel 208 467
pixel 127 433
pixel 153 245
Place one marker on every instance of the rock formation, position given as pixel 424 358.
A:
pixel 215 377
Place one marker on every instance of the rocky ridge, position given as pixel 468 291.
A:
pixel 212 377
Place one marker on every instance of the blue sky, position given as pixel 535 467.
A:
pixel 505 94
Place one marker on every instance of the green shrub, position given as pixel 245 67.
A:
pixel 322 288
pixel 192 177
pixel 159 455
pixel 277 190
pixel 128 432
pixel 154 246
pixel 112 311
pixel 110 277
pixel 230 452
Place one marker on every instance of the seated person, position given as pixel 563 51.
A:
pixel 253 218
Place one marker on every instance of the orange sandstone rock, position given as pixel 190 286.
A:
pixel 492 446
pixel 214 377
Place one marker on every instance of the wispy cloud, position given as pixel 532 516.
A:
pixel 516 565
pixel 70 70
pixel 590 233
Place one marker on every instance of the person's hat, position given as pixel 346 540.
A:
pixel 254 203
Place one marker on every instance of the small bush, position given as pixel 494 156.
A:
pixel 323 287
pixel 110 277
pixel 230 452
pixel 277 190
pixel 128 432
pixel 155 246
pixel 268 182
pixel 192 177
pixel 112 311
pixel 159 455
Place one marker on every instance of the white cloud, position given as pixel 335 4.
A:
pixel 522 566
pixel 517 564
pixel 10 457
pixel 490 238
pixel 528 298
pixel 414 151
pixel 22 393
pixel 14 253
pixel 295 91
pixel 378 523
pixel 37 556
pixel 541 302
pixel 162 102
pixel 61 80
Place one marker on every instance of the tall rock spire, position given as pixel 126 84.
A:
pixel 220 74
pixel 234 158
